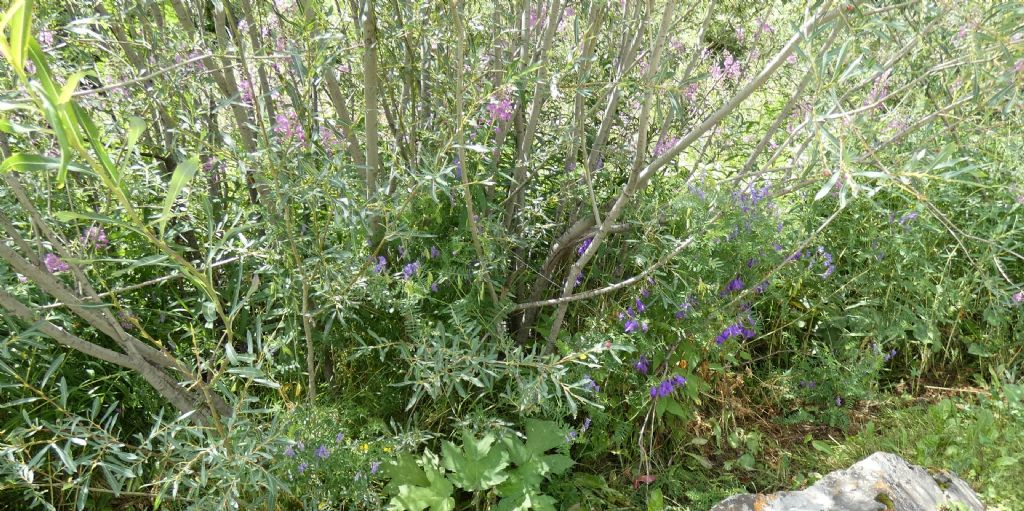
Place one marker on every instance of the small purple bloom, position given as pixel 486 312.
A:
pixel 640 307
pixel 374 467
pixel 433 287
pixel 339 437
pixel 434 252
pixel 571 436
pixel 586 425
pixel 642 365
pixel 839 401
pixel 590 384
pixel 322 452
pixel 643 326
pixel 382 264
pixel 1018 297
pixel 54 264
pixel 410 269
pixel 734 285
pixel 289 452
pixel 94 236
pixel 891 355
pixel 631 325
pixel 584 246
pixel 303 466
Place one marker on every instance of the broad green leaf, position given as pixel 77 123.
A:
pixel 656 501
pixel 435 496
pixel 479 465
pixel 182 175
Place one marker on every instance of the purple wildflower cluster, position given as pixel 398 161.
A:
pixel 826 260
pixel 382 264
pixel 584 245
pixel 590 384
pixel 288 127
pixel 686 307
pixel 734 330
pixel 880 88
pixel 94 236
pixel 667 387
pixel 54 264
pixel 642 365
pixel 630 321
pixel 409 270
pixel 245 92
pixel 500 108
pixel 733 286
pixel 1018 297
pixel 728 69
pixel 665 144
pixel 749 198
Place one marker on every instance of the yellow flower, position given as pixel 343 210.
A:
pixel 387 449
pixel 364 447
pixel 583 356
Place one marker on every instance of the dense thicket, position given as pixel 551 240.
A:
pixel 508 255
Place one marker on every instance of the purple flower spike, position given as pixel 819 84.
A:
pixel 339 437
pixel 584 246
pixel 643 365
pixel 289 452
pixel 586 425
pixel 322 452
pixel 302 467
pixel 640 307
pixel 382 264
pixel 374 467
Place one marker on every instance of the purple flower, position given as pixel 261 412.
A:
pixel 303 466
pixel 584 246
pixel 500 108
pixel 339 437
pixel 579 279
pixel 734 330
pixel 791 59
pixel 571 436
pixel 734 285
pixel 94 236
pixel 289 452
pixel 301 446
pixel 433 287
pixel 586 425
pixel 590 384
pixel 643 326
pixel 434 252
pixel 382 264
pixel 642 365
pixel 668 386
pixel 631 325
pixel 410 269
pixel 839 401
pixel 1018 297
pixel 54 264
pixel 891 355
pixel 640 307
pixel 374 467
pixel 322 452
pixel 667 143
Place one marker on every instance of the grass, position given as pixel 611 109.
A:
pixel 980 436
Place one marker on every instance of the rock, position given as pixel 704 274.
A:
pixel 880 482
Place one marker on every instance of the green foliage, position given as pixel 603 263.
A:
pixel 508 467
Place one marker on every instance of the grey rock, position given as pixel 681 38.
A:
pixel 880 482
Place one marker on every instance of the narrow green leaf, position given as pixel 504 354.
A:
pixel 182 175
pixel 69 86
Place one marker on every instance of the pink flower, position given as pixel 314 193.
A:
pixel 691 92
pixel 288 127
pixel 500 109
pixel 791 59
pixel 1018 297
pixel 665 145
pixel 54 264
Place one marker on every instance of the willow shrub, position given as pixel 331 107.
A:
pixel 452 216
